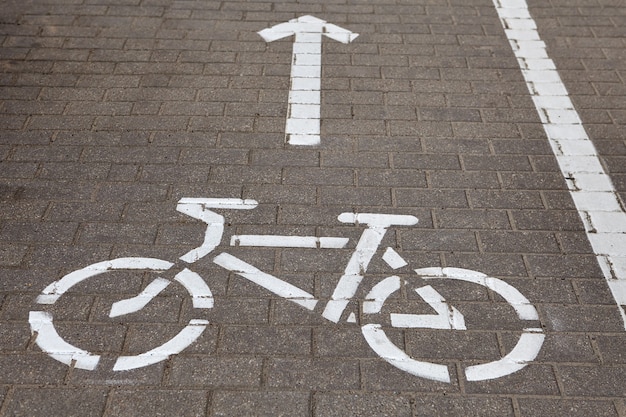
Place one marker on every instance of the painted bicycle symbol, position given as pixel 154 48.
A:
pixel 375 226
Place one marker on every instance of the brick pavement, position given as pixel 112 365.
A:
pixel 112 111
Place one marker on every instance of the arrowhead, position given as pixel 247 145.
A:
pixel 307 24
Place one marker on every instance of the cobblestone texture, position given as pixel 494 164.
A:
pixel 113 110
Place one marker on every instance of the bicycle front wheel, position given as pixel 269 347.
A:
pixel 49 340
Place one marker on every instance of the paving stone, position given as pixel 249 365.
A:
pixel 533 406
pixel 266 340
pixel 430 405
pixel 187 370
pixel 275 403
pixel 134 402
pixel 318 374
pixel 33 368
pixel 367 404
pixel 54 401
pixel 611 348
pixel 577 380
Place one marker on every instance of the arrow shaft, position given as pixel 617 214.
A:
pixel 303 112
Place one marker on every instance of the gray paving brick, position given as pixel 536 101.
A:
pixel 57 232
pixel 117 233
pixel 25 368
pixel 406 197
pixel 557 408
pixel 610 347
pixel 11 254
pixel 492 264
pixel 578 379
pixel 368 404
pixel 318 374
pixel 132 192
pixel 581 318
pixel 266 340
pixel 135 154
pixel 463 179
pixel 187 370
pixel 525 242
pixel 137 402
pixel 431 405
pixel 46 402
pixel 275 403
pixel 23 93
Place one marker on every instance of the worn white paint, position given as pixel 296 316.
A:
pixel 278 241
pixel 199 208
pixel 380 343
pixel 366 247
pixel 449 318
pixel 374 300
pixel 303 112
pixel 524 309
pixel 201 296
pixel 591 188
pixel 531 340
pixel 393 259
pixel 526 350
pixel 134 304
pixel 184 338
pixel 54 345
pixel 52 292
pixel 351 318
pixel 50 342
pixel 267 281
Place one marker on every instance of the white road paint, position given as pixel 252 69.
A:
pixel 278 241
pixel 52 292
pixel 134 304
pixel 54 345
pixel 528 346
pixel 371 237
pixel 531 340
pixel 184 338
pixel 380 343
pixel 201 296
pixel 449 318
pixel 592 190
pixel 446 317
pixel 379 293
pixel 50 342
pixel 303 112
pixel 199 208
pixel 267 281
pixel 524 309
pixel 393 259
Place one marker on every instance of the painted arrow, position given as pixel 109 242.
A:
pixel 303 112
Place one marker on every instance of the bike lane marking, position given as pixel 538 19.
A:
pixel 449 318
pixel 303 111
pixel 590 186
